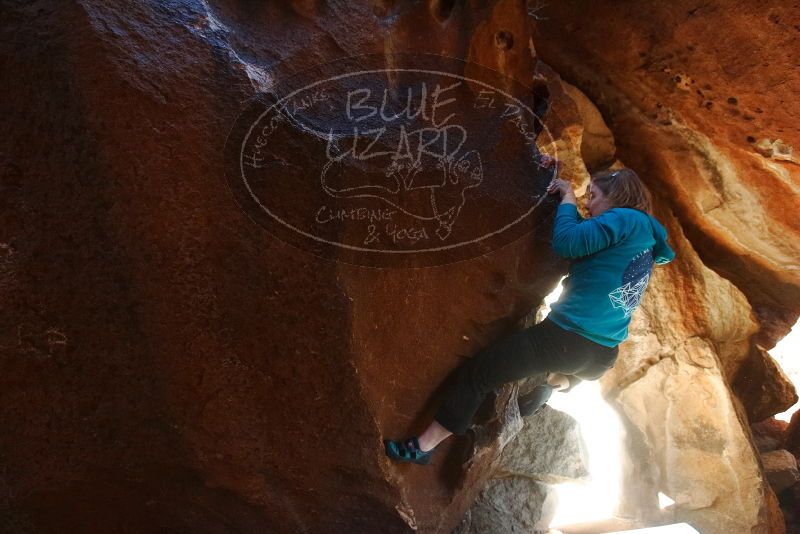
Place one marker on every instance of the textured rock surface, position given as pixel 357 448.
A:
pixel 781 469
pixel 513 504
pixel 163 367
pixel 685 434
pixel 769 435
pixel 597 142
pixel 763 387
pixel 687 107
pixel 776 518
pixel 168 362
pixel 792 436
pixel 549 448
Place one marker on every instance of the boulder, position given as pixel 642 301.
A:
pixel 763 387
pixel 769 434
pixel 781 469
pixel 520 496
pixel 196 368
pixel 549 449
pixel 511 504
pixel 792 435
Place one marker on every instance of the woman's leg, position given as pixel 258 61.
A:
pixel 436 433
pixel 542 348
pixel 433 435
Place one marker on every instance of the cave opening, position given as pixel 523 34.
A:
pixel 785 354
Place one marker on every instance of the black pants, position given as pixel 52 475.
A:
pixel 542 348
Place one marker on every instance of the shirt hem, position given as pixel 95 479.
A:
pixel 566 325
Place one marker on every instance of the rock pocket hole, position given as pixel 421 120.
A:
pixel 504 40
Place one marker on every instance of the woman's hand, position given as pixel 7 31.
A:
pixel 559 185
pixel 546 161
pixel 564 188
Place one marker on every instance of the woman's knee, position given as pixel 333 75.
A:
pixel 558 381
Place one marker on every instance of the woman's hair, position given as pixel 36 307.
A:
pixel 623 189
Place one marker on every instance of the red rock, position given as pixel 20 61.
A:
pixel 763 387
pixel 167 364
pixel 686 108
pixel 769 434
pixel 774 520
pixel 792 440
pixel 780 467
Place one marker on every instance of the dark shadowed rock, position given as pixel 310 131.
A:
pixel 171 365
pixel 762 386
pixel 769 434
pixel 780 467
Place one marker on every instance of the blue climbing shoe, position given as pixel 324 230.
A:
pixel 532 402
pixel 406 450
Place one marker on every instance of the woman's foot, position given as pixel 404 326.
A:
pixel 532 402
pixel 407 450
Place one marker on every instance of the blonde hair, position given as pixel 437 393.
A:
pixel 623 189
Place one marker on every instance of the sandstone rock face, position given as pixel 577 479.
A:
pixel 170 365
pixel 777 521
pixel 549 449
pixel 167 360
pixel 597 142
pixel 685 434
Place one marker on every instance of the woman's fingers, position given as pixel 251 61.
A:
pixel 560 185
pixel 545 161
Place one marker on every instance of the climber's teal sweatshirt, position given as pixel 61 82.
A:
pixel 613 257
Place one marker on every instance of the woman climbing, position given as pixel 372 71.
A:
pixel 613 253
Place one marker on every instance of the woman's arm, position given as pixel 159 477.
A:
pixel 574 236
pixel 574 239
pixel 565 189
